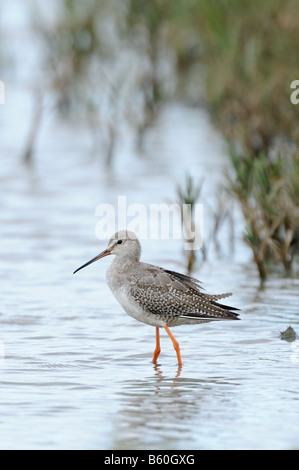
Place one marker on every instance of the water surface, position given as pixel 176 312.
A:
pixel 75 370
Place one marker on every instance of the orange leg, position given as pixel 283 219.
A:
pixel 175 344
pixel 158 348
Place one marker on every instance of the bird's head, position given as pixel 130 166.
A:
pixel 124 244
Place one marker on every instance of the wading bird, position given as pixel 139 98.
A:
pixel 157 296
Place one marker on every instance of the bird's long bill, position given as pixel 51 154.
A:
pixel 101 255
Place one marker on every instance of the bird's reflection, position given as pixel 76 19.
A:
pixel 159 372
pixel 162 408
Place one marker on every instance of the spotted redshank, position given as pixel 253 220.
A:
pixel 157 296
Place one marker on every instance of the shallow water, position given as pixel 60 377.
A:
pixel 75 370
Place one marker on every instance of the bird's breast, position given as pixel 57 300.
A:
pixel 119 283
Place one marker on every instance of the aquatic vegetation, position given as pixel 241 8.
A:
pixel 160 32
pixel 188 194
pixel 38 111
pixel 250 55
pixel 267 190
pixel 112 64
pixel 83 74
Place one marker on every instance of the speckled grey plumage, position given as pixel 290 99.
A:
pixel 157 296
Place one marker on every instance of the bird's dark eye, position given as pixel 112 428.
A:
pixel 119 242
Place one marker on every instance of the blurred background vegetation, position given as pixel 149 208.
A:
pixel 250 57
pixel 112 63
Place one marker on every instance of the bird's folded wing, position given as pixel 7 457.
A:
pixel 172 294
